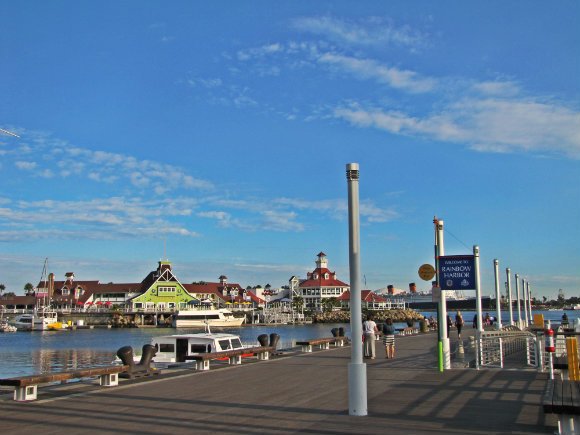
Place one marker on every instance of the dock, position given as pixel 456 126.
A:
pixel 298 393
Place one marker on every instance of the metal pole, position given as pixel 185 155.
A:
pixel 478 291
pixel 357 370
pixel 509 295
pixel 440 249
pixel 526 319
pixel 530 301
pixel 497 293
pixel 518 300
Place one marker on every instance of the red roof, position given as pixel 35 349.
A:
pixel 365 296
pixel 317 279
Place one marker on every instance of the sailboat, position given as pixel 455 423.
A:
pixel 42 318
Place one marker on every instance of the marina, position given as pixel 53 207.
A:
pixel 309 395
pixel 24 353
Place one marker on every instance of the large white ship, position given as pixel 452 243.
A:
pixel 423 300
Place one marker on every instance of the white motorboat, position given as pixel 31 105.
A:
pixel 43 320
pixel 6 327
pixel 203 317
pixel 176 348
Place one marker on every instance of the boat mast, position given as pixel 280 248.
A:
pixel 44 282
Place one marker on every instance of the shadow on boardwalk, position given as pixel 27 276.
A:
pixel 303 393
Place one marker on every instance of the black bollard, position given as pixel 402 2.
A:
pixel 149 352
pixel 341 332
pixel 334 332
pixel 125 354
pixel 263 340
pixel 274 339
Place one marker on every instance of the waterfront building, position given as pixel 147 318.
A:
pixel 319 286
pixel 162 291
pixel 371 301
pixel 223 293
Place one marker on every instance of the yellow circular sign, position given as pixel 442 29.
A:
pixel 426 272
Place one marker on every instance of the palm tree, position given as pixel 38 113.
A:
pixel 298 303
pixel 2 288
pixel 28 289
pixel 330 303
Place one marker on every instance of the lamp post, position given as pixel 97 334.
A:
pixel 357 374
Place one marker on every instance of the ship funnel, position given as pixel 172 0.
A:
pixel 412 287
pixel 391 289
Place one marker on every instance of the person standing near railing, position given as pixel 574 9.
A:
pixel 459 323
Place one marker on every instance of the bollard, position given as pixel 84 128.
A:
pixel 263 340
pixel 125 354
pixel 274 339
pixel 149 352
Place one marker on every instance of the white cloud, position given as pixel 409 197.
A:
pixel 101 166
pixel 26 166
pixel 374 31
pixel 281 221
pixel 497 88
pixel 109 218
pixel 371 69
pixel 258 52
pixel 491 125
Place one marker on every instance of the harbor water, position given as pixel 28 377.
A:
pixel 24 353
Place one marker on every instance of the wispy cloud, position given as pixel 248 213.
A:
pixel 371 69
pixel 338 208
pixel 54 157
pixel 373 31
pixel 488 124
pixel 110 218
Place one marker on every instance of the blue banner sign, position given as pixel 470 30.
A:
pixel 457 272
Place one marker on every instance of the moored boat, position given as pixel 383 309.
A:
pixel 201 318
pixel 40 320
pixel 177 348
pixel 6 327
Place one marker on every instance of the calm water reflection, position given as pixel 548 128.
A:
pixel 24 353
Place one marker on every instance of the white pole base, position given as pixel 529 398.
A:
pixel 357 389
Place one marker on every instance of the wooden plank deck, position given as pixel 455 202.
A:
pixel 302 393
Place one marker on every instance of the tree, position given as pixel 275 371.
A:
pixel 9 295
pixel 28 289
pixel 329 303
pixel 298 303
pixel 2 288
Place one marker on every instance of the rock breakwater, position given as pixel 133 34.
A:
pixel 398 315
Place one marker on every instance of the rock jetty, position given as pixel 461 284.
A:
pixel 398 315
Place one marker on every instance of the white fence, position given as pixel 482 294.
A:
pixel 493 347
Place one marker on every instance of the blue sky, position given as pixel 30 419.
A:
pixel 222 131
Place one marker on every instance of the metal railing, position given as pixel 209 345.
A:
pixel 492 347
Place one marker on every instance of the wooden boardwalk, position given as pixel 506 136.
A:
pixel 298 393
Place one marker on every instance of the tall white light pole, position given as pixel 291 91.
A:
pixel 530 300
pixel 525 292
pixel 440 252
pixel 497 293
pixel 518 301
pixel 508 273
pixel 357 370
pixel 477 291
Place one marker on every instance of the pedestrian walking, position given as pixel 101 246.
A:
pixel 369 331
pixel 459 323
pixel 389 338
